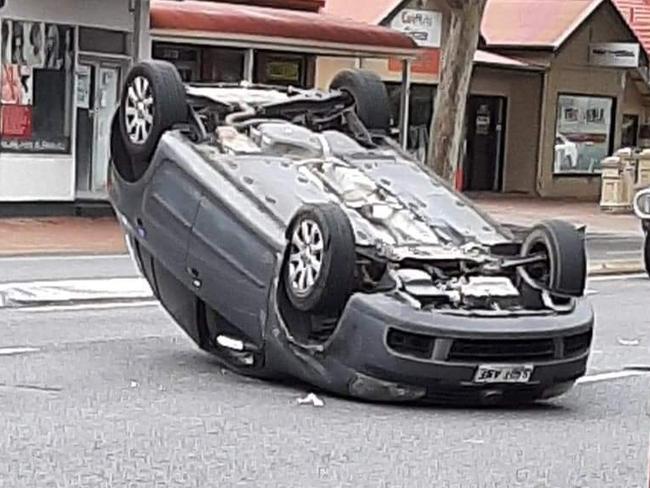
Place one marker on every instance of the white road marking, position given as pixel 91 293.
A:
pixel 13 351
pixel 89 306
pixel 614 375
pixel 621 277
pixel 64 257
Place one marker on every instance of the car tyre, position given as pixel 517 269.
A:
pixel 153 101
pixel 319 270
pixel 565 271
pixel 646 254
pixel 370 97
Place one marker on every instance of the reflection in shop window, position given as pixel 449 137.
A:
pixel 583 133
pixel 37 81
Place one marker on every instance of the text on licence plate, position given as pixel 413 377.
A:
pixel 489 373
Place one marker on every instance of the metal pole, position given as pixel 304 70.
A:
pixel 141 31
pixel 405 103
pixel 249 65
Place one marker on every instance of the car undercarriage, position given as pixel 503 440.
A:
pixel 306 240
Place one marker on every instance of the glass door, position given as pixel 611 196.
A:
pixel 97 99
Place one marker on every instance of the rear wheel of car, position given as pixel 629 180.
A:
pixel 153 101
pixel 563 271
pixel 319 270
pixel 370 97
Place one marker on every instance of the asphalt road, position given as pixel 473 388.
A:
pixel 118 397
pixel 600 247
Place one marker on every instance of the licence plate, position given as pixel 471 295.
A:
pixel 492 373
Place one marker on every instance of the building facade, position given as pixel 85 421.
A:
pixel 62 67
pixel 557 87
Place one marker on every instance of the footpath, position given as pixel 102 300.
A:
pixel 614 246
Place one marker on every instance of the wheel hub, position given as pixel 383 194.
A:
pixel 139 110
pixel 306 257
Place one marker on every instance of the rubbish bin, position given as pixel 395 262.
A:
pixel 615 191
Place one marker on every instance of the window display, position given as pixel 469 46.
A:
pixel 37 61
pixel 583 133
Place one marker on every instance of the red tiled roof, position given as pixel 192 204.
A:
pixel 281 24
pixel 526 23
pixel 534 23
pixel 371 11
pixel 637 14
pixel 311 5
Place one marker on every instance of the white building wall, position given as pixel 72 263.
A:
pixel 108 14
pixel 45 177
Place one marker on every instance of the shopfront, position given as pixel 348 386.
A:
pixel 556 88
pixel 61 72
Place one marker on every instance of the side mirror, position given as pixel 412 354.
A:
pixel 642 204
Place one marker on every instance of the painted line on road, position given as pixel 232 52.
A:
pixel 611 376
pixel 635 252
pixel 65 257
pixel 14 351
pixel 89 306
pixel 618 277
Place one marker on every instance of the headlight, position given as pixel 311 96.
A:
pixel 642 204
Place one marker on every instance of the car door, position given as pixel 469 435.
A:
pixel 170 204
pixel 232 264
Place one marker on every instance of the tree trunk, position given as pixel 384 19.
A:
pixel 455 76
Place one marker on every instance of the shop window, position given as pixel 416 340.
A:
pixel 222 65
pixel 420 115
pixel 584 129
pixel 185 58
pixel 630 131
pixel 283 69
pixel 203 64
pixel 37 81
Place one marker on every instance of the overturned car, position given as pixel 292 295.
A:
pixel 641 206
pixel 290 236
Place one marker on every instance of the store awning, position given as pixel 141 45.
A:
pixel 274 29
pixel 486 58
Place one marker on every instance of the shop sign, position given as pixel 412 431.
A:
pixel 423 26
pixel 614 54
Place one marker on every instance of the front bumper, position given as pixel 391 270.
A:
pixel 440 362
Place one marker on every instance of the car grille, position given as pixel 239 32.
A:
pixel 408 344
pixel 502 350
pixel 577 344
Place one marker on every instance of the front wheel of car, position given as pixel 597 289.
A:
pixel 370 96
pixel 563 269
pixel 153 101
pixel 319 270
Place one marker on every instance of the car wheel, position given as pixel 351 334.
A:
pixel 370 97
pixel 646 254
pixel 120 158
pixel 153 101
pixel 564 269
pixel 319 270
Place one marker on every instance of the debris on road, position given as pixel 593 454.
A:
pixel 134 384
pixel 311 399
pixel 629 342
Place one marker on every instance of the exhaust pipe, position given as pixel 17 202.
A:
pixel 642 204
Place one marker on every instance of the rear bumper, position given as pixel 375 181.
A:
pixel 445 370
